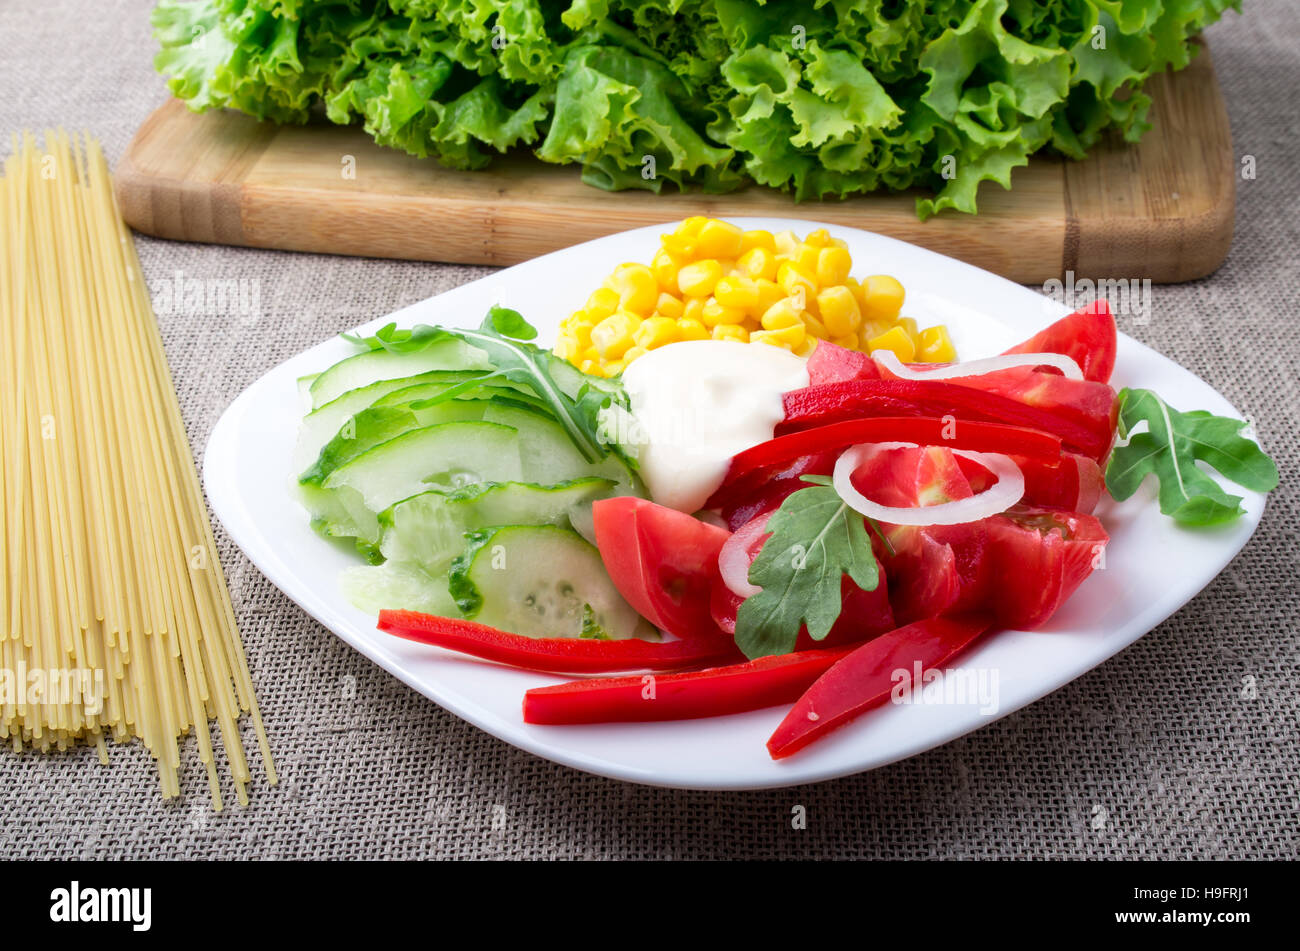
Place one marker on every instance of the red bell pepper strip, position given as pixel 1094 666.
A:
pixel 865 678
pixel 703 693
pixel 832 402
pixel 567 655
pixel 922 430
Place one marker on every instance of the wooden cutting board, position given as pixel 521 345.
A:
pixel 1161 210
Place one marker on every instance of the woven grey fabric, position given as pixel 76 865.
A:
pixel 1159 753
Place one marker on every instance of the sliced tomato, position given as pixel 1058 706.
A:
pixel 831 364
pixel 1039 557
pixel 1087 336
pixel 1075 484
pixel 863 614
pixel 932 569
pixel 664 562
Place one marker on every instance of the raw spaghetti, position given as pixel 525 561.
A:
pixel 115 619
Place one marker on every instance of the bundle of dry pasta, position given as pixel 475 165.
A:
pixel 115 619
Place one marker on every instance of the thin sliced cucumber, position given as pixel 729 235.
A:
pixel 321 425
pixel 430 528
pixel 541 581
pixel 398 585
pixel 447 456
pixel 378 424
pixel 362 369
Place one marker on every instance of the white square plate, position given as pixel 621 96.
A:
pixel 1153 567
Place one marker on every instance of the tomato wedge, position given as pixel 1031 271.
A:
pixel 1087 336
pixel 1040 557
pixel 664 562
pixel 703 693
pixel 865 678
pixel 569 655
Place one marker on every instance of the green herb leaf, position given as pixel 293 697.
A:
pixel 1169 449
pixel 814 541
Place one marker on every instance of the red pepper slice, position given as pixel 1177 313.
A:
pixel 703 693
pixel 851 399
pixel 922 430
pixel 566 655
pixel 864 679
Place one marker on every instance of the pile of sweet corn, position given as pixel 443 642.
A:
pixel 711 280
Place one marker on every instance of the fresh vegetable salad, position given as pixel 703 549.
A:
pixel 725 525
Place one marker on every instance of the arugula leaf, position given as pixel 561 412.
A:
pixel 1169 449
pixel 815 540
pixel 504 336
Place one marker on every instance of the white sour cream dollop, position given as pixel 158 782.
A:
pixel 699 402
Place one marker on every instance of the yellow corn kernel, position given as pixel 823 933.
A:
pixel 602 303
pixel 615 367
pixel 908 324
pixel 783 314
pixel 566 347
pixel 716 313
pixel 895 339
pixel 699 278
pixel 853 284
pixel 790 276
pixel 691 226
pixel 818 239
pixel 692 329
pixel 613 335
pixel 758 263
pixel 580 333
pixel 882 298
pixel 787 337
pixel 655 332
pixel 637 287
pixel 758 239
pixel 816 327
pixel 591 368
pixel 785 242
pixel 874 328
pixel 769 292
pixel 632 354
pixel 665 268
pixel 848 341
pixel 838 310
pixel 806 348
pixel 936 346
pixel 833 266
pixel 738 292
pixel 731 332
pixel 719 239
pixel 806 256
pixel 693 308
pixel 838 243
pixel 680 246
pixel 669 306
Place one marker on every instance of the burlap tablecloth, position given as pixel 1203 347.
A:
pixel 1160 752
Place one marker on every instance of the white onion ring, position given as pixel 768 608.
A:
pixel 889 360
pixel 1006 492
pixel 733 559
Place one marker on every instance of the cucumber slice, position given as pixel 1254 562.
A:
pixel 541 581
pixel 362 369
pixel 397 585
pixel 379 424
pixel 447 456
pixel 320 425
pixel 429 528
